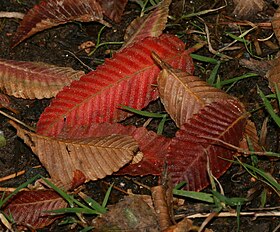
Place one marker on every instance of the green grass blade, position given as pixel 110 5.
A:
pixel 235 79
pixel 161 125
pixel 106 198
pixel 231 201
pixel 204 59
pixel 269 108
pixel 95 205
pixel 206 197
pixel 143 113
pixel 214 73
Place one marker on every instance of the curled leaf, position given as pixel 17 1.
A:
pixel 93 157
pixel 150 25
pixel 51 13
pixel 29 208
pixel 245 9
pixel 126 79
pixel 34 80
pixel 273 74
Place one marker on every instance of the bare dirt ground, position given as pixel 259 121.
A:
pixel 53 46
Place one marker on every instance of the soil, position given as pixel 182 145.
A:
pixel 54 46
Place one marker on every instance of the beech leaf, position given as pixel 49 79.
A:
pixel 34 80
pixel 51 13
pixel 126 79
pixel 28 208
pixel 195 141
pixel 150 25
pixel 273 74
pixel 93 157
pixel 183 95
pixel 245 9
pixel 113 9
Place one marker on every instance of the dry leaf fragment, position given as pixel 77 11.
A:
pixel 68 159
pixel 245 9
pixel 130 214
pixel 276 24
pixel 273 74
pixel 29 208
pixel 113 9
pixel 34 80
pixel 48 14
pixel 150 25
pixel 183 95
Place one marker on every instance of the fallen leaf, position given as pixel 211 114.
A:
pixel 130 214
pixel 184 95
pixel 29 208
pixel 195 141
pixel 67 159
pixel 126 79
pixel 273 74
pixel 32 80
pixel 113 9
pixel 245 9
pixel 275 21
pixel 51 13
pixel 150 25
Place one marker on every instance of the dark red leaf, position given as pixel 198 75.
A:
pixel 29 208
pixel 51 13
pixel 113 9
pixel 128 78
pixel 187 156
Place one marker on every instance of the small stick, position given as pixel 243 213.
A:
pixel 16 15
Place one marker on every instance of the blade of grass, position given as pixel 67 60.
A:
pixel 161 125
pixel 214 73
pixel 206 197
pixel 106 198
pixel 235 79
pixel 269 108
pixel 204 59
pixel 143 113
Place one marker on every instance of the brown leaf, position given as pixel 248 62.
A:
pixel 195 141
pixel 150 25
pixel 28 208
pixel 276 24
pixel 273 74
pixel 245 9
pixel 130 214
pixel 184 95
pixel 34 80
pixel 113 9
pixel 48 14
pixel 93 157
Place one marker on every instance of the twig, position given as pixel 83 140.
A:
pixel 16 15
pixel 77 58
pixel 16 120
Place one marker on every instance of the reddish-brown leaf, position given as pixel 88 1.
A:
pixel 128 78
pixel 184 95
pixel 51 13
pixel 93 157
pixel 188 152
pixel 34 80
pixel 113 9
pixel 150 25
pixel 28 208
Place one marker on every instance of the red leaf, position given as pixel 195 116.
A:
pixel 187 156
pixel 28 207
pixel 127 79
pixel 113 9
pixel 51 13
